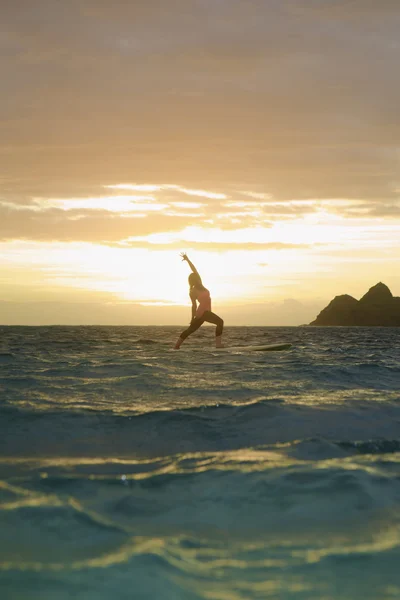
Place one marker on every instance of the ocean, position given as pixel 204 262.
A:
pixel 130 471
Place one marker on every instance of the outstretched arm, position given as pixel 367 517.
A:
pixel 189 262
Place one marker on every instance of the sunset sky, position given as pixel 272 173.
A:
pixel 262 137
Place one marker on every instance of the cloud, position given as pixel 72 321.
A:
pixel 166 186
pixel 114 217
pixel 369 210
pixel 211 246
pixel 294 99
pixel 80 225
pixel 137 219
pixel 119 204
pixel 73 221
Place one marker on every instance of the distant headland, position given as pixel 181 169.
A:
pixel 378 308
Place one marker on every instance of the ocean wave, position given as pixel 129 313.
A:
pixel 193 568
pixel 127 468
pixel 238 516
pixel 287 495
pixel 204 428
pixel 376 446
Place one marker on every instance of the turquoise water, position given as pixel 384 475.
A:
pixel 128 470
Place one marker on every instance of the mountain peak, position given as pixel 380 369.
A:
pixel 378 294
pixel 378 307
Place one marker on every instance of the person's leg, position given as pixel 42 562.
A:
pixel 194 325
pixel 211 317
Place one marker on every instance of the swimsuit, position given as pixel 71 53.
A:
pixel 204 300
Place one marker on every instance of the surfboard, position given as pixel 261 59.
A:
pixel 261 348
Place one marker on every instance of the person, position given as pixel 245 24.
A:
pixel 201 313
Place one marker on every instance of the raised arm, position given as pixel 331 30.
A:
pixel 189 262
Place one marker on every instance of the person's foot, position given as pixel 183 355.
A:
pixel 178 344
pixel 218 342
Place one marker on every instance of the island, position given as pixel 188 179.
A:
pixel 377 308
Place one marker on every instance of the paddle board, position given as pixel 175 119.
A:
pixel 261 348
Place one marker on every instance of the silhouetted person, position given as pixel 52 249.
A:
pixel 201 313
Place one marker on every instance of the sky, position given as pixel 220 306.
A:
pixel 262 137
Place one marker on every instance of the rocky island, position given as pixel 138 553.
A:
pixel 377 308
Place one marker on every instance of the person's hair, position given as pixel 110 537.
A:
pixel 194 280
